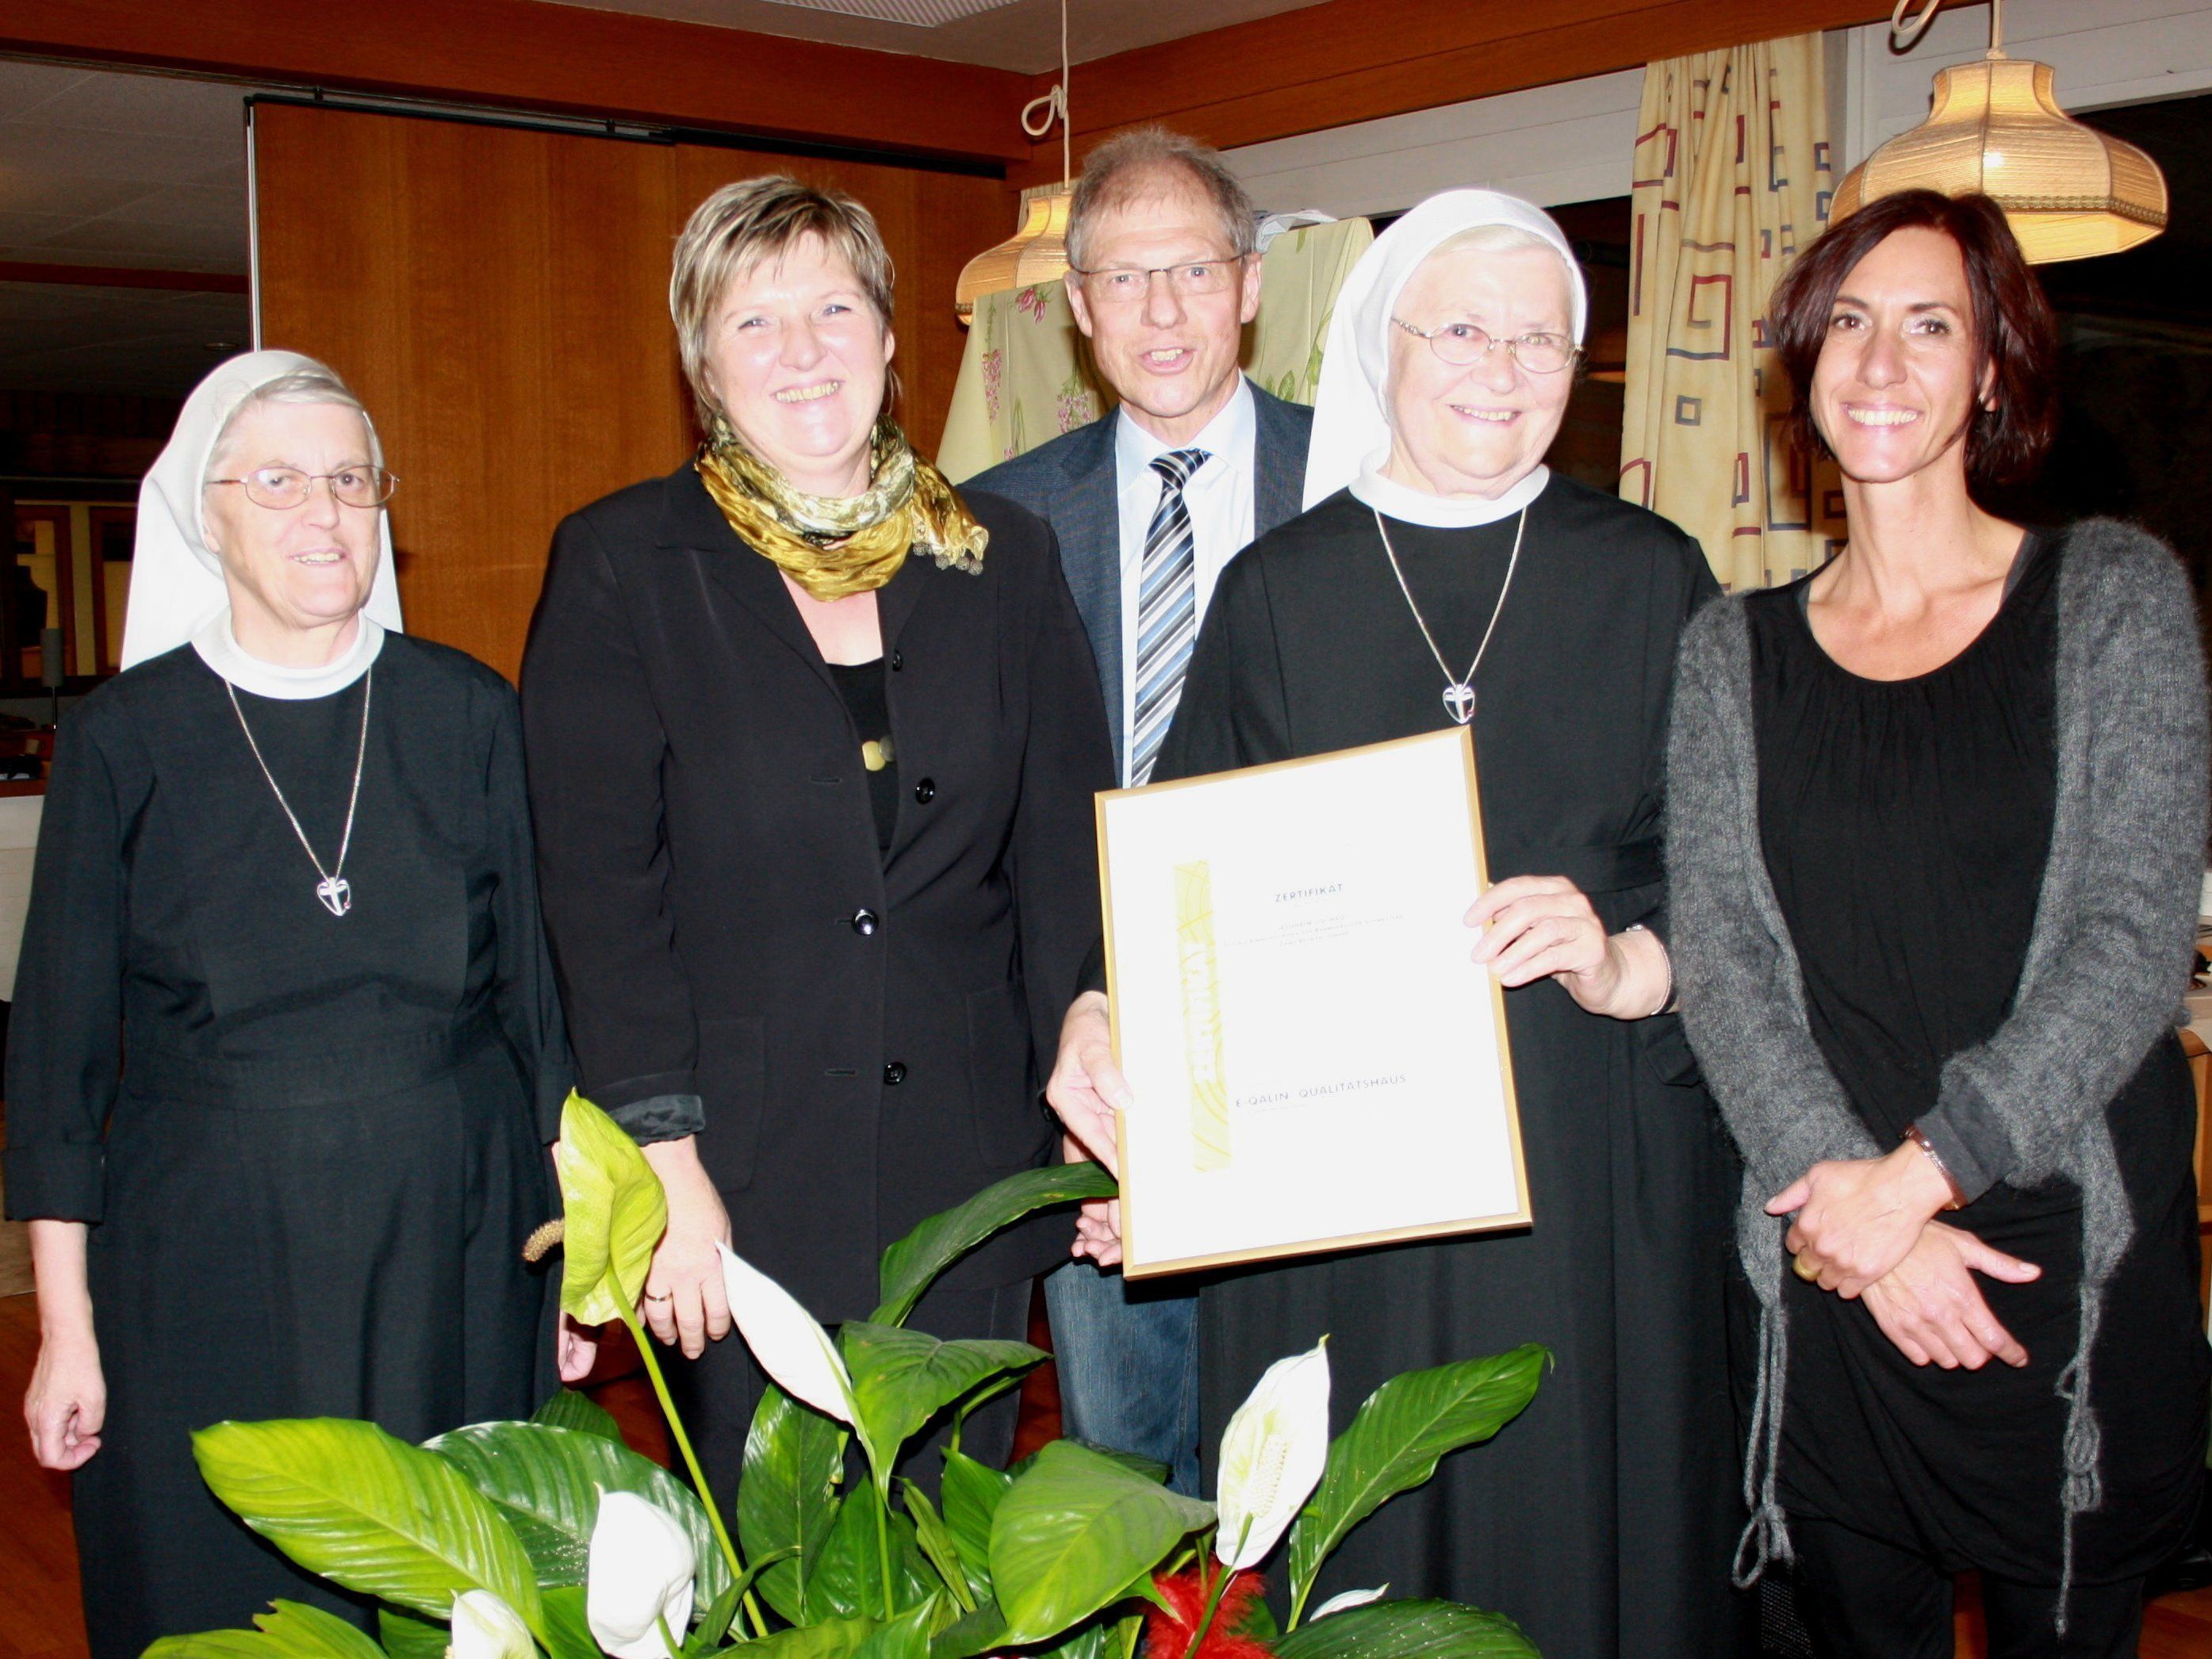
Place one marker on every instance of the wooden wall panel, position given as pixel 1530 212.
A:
pixel 1344 61
pixel 499 298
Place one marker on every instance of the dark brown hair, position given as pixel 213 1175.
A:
pixel 2015 333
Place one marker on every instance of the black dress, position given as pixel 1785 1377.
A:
pixel 323 1153
pixel 1905 825
pixel 1602 1518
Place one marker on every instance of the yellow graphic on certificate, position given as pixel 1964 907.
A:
pixel 1201 1016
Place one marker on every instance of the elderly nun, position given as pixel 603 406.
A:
pixel 285 1044
pixel 1442 573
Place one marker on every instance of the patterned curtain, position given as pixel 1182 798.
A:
pixel 1733 176
pixel 1026 376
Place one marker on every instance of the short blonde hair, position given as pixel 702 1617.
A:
pixel 739 226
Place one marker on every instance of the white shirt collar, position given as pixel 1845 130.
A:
pixel 218 647
pixel 1396 501
pixel 1232 431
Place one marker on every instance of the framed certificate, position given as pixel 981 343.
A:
pixel 1317 1062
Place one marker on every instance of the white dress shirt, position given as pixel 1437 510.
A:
pixel 1219 497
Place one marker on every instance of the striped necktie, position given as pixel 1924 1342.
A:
pixel 1167 611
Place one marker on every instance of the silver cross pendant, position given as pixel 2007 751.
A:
pixel 1459 701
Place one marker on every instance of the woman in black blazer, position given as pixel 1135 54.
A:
pixel 813 811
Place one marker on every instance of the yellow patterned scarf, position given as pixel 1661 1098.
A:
pixel 834 546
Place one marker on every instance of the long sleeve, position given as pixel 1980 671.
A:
pixel 1742 997
pixel 2106 970
pixel 65 1040
pixel 523 989
pixel 1068 758
pixel 595 743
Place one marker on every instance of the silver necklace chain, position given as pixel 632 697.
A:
pixel 1459 694
pixel 334 890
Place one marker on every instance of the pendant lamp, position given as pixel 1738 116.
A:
pixel 2069 191
pixel 1038 251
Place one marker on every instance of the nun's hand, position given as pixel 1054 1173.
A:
pixel 1538 927
pixel 684 1300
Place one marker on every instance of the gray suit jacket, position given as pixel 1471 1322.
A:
pixel 1070 484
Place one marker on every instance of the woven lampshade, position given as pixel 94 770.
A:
pixel 1037 252
pixel 2069 191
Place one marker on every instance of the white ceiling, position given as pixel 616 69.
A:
pixel 1012 34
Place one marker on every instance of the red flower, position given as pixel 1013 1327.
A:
pixel 1167 1631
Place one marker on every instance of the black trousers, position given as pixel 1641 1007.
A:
pixel 1860 1598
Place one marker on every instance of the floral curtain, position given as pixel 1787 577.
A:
pixel 1733 175
pixel 1027 376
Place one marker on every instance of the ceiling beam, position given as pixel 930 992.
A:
pixel 195 282
pixel 563 59
pixel 1346 61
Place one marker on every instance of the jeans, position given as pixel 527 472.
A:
pixel 1127 1359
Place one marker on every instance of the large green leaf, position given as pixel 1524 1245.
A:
pixel 971 1491
pixel 569 1409
pixel 1407 1629
pixel 1072 1532
pixel 549 1482
pixel 290 1630
pixel 833 1639
pixel 936 1546
pixel 1396 1438
pixel 795 1457
pixel 979 1632
pixel 1146 1466
pixel 410 1636
pixel 902 1378
pixel 906 1636
pixel 847 1574
pixel 910 1265
pixel 568 1629
pixel 613 1212
pixel 352 1503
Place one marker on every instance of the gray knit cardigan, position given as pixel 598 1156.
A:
pixel 2107 961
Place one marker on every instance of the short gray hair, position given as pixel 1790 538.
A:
pixel 1132 165
pixel 314 383
pixel 754 219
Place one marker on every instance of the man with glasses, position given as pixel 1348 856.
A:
pixel 1149 504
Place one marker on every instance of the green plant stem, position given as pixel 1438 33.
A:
pixel 884 1548
pixel 691 1461
pixel 1298 1605
pixel 1213 1604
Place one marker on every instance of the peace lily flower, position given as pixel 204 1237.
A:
pixel 790 1345
pixel 485 1627
pixel 1343 1603
pixel 1272 1456
pixel 639 1576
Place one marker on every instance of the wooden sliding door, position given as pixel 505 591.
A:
pixel 499 297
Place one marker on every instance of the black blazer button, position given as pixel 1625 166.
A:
pixel 925 791
pixel 865 923
pixel 897 662
pixel 895 1073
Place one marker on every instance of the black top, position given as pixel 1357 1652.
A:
pixel 861 685
pixel 867 1030
pixel 1905 824
pixel 1309 646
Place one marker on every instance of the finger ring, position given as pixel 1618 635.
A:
pixel 666 1296
pixel 1807 1268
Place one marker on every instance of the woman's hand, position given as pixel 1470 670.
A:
pixel 1086 1087
pixel 1930 1306
pixel 684 1299
pixel 66 1404
pixel 575 1349
pixel 1544 927
pixel 1858 1218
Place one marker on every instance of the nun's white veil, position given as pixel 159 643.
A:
pixel 1351 427
pixel 176 578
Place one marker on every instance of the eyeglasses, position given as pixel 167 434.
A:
pixel 1462 343
pixel 1125 284
pixel 281 488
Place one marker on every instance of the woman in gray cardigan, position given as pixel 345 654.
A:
pixel 1936 817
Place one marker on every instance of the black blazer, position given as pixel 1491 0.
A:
pixel 867 1032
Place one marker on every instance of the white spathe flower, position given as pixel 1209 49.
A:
pixel 485 1627
pixel 1344 1603
pixel 790 1345
pixel 639 1576
pixel 1272 1456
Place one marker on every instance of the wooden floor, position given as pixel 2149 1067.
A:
pixel 39 1618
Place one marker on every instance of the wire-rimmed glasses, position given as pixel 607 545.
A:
pixel 1126 284
pixel 281 488
pixel 1540 352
